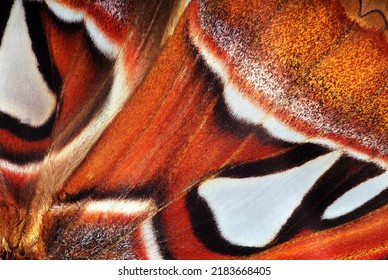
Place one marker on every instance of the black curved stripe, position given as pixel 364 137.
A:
pixel 5 10
pixel 293 158
pixel 25 131
pixel 161 237
pixel 22 158
pixel 150 190
pixel 40 47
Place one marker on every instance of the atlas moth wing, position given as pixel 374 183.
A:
pixel 229 59
pixel 30 91
pixel 314 102
pixel 150 26
pixel 292 196
pixel 215 165
pixel 86 58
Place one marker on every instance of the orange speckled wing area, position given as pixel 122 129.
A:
pixel 254 131
pixel 330 72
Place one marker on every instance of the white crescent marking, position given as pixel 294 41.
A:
pixel 24 94
pixel 357 196
pixel 261 205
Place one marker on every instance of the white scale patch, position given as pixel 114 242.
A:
pixel 64 13
pixel 24 94
pixel 21 170
pixel 119 206
pixel 357 196
pixel 150 241
pixel 108 48
pixel 70 15
pixel 261 205
pixel 240 107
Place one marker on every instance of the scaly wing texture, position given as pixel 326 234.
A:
pixel 245 130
